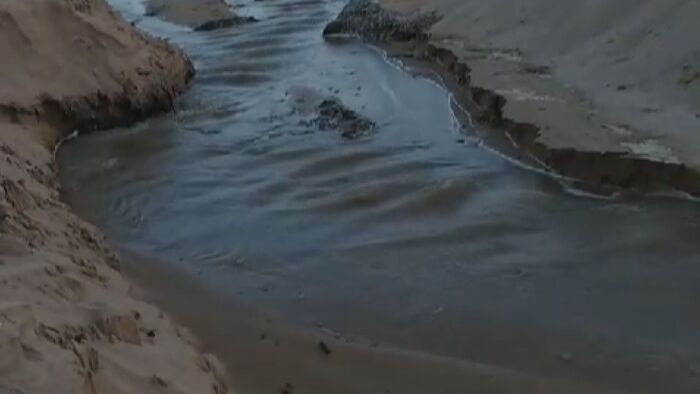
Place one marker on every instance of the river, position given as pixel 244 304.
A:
pixel 417 236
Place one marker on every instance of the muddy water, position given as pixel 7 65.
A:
pixel 416 236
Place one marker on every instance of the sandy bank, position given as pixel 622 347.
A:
pixel 264 355
pixel 200 15
pixel 68 321
pixel 606 93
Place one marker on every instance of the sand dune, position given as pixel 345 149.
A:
pixel 68 321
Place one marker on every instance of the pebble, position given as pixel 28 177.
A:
pixel 324 348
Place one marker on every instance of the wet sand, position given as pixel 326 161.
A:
pixel 263 354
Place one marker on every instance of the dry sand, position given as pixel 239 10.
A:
pixel 629 64
pixel 68 320
pixel 614 75
pixel 606 92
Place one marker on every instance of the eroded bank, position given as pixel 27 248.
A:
pixel 69 321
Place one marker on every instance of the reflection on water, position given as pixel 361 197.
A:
pixel 414 236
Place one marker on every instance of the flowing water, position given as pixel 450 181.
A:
pixel 416 236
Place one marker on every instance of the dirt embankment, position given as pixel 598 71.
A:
pixel 68 320
pixel 200 15
pixel 593 98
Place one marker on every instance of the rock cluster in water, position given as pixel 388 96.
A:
pixel 368 20
pixel 332 114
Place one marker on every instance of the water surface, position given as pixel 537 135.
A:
pixel 415 236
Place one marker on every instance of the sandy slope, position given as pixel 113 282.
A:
pixel 596 75
pixel 68 322
pixel 77 65
pixel 192 13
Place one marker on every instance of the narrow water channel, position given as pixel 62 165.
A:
pixel 415 236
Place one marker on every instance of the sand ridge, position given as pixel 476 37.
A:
pixel 69 322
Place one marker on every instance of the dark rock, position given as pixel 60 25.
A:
pixel 536 69
pixel 79 338
pixel 158 381
pixel 324 348
pixel 224 23
pixel 368 20
pixel 333 115
pixel 152 11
